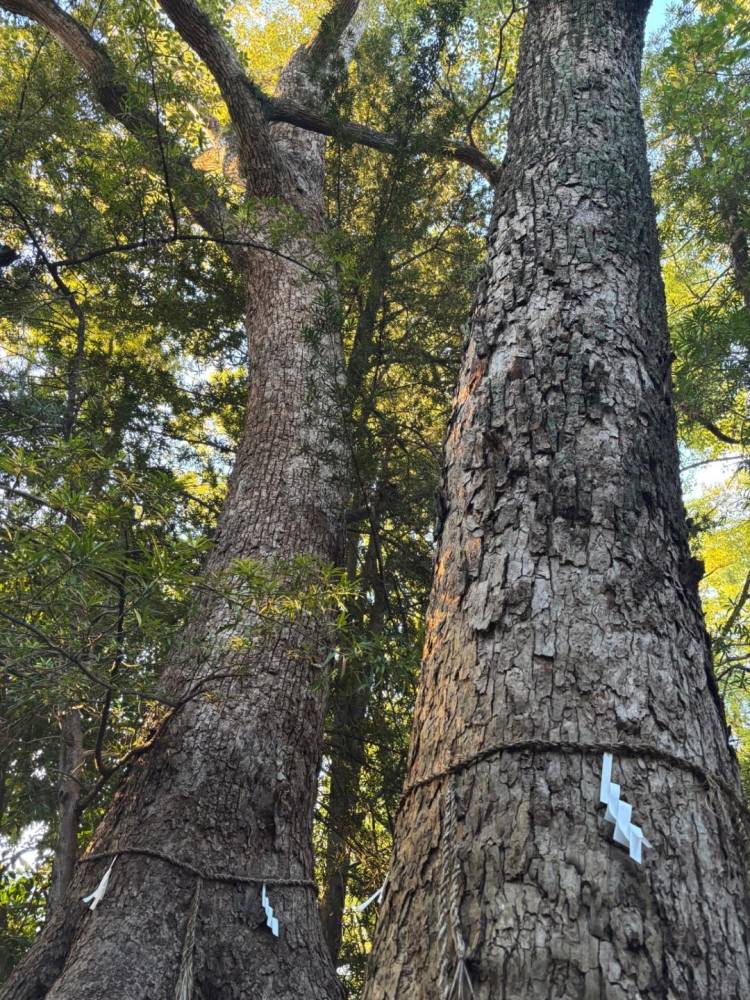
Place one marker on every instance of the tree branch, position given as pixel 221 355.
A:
pixel 251 110
pixel 154 242
pixel 52 647
pixel 260 161
pixel 716 431
pixel 127 108
pixel 142 748
pixel 742 600
pixel 280 110
pixel 692 414
pixel 331 33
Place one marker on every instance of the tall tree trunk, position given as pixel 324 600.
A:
pixel 69 795
pixel 229 785
pixel 564 604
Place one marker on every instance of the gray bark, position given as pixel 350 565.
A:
pixel 564 604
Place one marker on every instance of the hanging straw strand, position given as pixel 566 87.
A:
pixel 460 986
pixel 186 977
pixel 444 902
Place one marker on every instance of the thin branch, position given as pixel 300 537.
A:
pixel 51 646
pixel 142 748
pixel 155 242
pixel 717 432
pixel 159 137
pixel 32 498
pixel 277 110
pixel 710 461
pixel 737 609
pixel 492 94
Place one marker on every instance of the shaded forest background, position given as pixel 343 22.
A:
pixel 122 389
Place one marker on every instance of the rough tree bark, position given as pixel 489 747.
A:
pixel 229 783
pixel 564 604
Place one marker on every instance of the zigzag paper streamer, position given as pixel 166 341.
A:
pixel 98 894
pixel 271 920
pixel 619 813
pixel 376 896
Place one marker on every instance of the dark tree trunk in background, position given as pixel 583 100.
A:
pixel 230 784
pixel 68 795
pixel 564 604
pixel 739 251
pixel 349 702
pixel 350 696
pixel 347 760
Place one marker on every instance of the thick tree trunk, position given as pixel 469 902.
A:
pixel 69 795
pixel 564 604
pixel 230 785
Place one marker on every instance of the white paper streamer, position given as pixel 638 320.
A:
pixel 271 920
pixel 98 894
pixel 377 895
pixel 619 813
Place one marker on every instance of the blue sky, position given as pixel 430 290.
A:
pixel 656 16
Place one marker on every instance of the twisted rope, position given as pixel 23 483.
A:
pixel 205 876
pixel 186 977
pixel 708 778
pixel 444 898
pixel 460 986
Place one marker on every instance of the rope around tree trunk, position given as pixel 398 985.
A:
pixel 206 876
pixel 708 778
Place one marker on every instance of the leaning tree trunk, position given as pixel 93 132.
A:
pixel 229 785
pixel 564 614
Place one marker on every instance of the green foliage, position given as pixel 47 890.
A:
pixel 121 397
pixel 22 911
pixel 698 109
